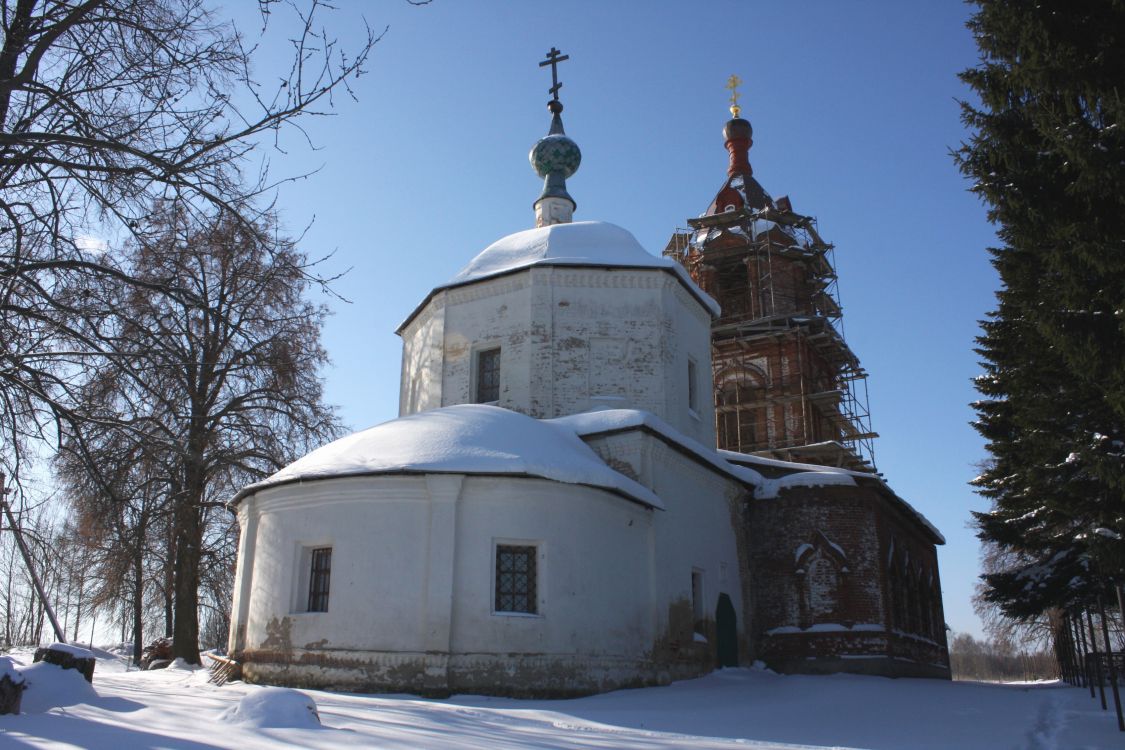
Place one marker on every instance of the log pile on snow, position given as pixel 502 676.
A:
pixel 157 655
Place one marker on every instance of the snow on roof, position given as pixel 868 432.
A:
pixel 770 488
pixel 729 462
pixel 751 460
pixel 580 243
pixel 462 439
pixel 611 420
pixel 816 475
pixel 806 475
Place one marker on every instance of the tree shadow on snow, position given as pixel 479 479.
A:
pixel 119 705
pixel 74 731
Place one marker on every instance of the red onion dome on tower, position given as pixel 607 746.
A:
pixel 741 190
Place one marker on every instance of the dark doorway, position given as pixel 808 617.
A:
pixel 726 633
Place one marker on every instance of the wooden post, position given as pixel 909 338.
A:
pixel 60 636
pixel 1075 670
pixel 1076 649
pixel 1112 666
pixel 1097 661
pixel 1076 623
pixel 1086 661
pixel 1121 603
pixel 1062 651
pixel 1075 654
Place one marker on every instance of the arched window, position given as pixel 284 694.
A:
pixel 938 623
pixel 821 565
pixel 898 596
pixel 923 604
pixel 912 601
pixel 733 290
pixel 822 581
pixel 740 411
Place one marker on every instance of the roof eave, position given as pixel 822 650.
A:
pixel 250 489
pixel 696 294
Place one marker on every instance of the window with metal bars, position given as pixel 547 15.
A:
pixel 516 589
pixel 488 376
pixel 319 574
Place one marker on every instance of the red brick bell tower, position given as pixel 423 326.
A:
pixel 786 383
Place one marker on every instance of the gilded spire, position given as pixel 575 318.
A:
pixel 733 83
pixel 737 134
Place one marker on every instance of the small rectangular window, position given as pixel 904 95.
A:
pixel 516 584
pixel 697 611
pixel 488 376
pixel 319 574
pixel 692 389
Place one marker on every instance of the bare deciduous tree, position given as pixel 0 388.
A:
pixel 107 106
pixel 215 386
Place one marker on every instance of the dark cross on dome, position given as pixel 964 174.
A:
pixel 554 57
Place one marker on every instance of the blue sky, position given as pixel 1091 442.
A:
pixel 854 109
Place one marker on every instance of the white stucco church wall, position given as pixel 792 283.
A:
pixel 412 586
pixel 413 581
pixel 581 316
pixel 547 515
pixel 634 540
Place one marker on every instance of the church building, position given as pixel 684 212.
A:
pixel 559 508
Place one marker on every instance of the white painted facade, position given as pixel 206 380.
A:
pixel 628 571
pixel 572 337
pixel 592 467
pixel 412 586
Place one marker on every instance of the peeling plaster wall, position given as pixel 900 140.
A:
pixel 571 339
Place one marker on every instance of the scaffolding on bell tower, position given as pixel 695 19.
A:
pixel 786 384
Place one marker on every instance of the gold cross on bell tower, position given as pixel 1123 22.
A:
pixel 733 83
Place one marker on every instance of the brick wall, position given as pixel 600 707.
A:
pixel 787 369
pixel 825 591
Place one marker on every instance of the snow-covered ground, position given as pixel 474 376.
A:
pixel 177 709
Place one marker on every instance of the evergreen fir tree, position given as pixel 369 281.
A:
pixel 1048 157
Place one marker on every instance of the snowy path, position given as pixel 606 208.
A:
pixel 745 709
